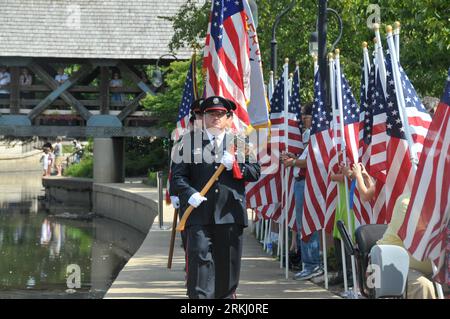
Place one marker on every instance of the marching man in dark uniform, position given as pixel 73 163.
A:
pixel 215 227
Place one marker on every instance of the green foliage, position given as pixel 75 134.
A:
pixel 189 34
pixel 164 106
pixel 68 149
pixel 143 154
pixel 82 169
pixel 425 37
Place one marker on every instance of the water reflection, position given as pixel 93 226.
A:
pixel 36 249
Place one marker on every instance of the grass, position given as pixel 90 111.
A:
pixel 82 169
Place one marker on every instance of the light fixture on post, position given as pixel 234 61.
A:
pixel 321 28
pixel 313 44
pixel 158 75
pixel 340 28
pixel 273 43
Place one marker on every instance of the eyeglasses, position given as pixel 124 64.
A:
pixel 216 113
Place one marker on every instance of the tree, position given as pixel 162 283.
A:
pixel 165 106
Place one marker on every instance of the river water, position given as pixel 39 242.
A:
pixel 44 256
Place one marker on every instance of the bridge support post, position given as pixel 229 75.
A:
pixel 109 160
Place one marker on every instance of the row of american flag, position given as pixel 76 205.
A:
pixel 390 132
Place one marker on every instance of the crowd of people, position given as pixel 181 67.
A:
pixel 204 266
pixel 26 80
pixel 419 285
pixel 53 156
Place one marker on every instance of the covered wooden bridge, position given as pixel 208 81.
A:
pixel 91 41
pixel 58 61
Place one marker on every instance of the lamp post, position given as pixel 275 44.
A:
pixel 273 43
pixel 158 75
pixel 322 46
pixel 318 44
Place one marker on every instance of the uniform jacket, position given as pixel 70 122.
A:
pixel 225 199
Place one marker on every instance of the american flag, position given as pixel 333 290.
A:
pixel 363 97
pixel 266 194
pixel 319 147
pixel 351 116
pixel 189 96
pixel 333 166
pixel 374 144
pixel 226 59
pixel 400 172
pixel 295 143
pixel 375 131
pixel 424 229
pixel 351 120
pixel 183 125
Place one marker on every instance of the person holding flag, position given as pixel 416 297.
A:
pixel 215 227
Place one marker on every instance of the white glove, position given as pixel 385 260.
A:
pixel 196 199
pixel 175 201
pixel 228 160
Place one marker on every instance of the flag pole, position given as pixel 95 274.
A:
pixel 343 148
pixel 266 231
pixel 269 238
pixel 366 66
pixel 291 81
pixel 439 291
pixel 400 98
pixel 270 89
pixel 280 241
pixel 271 85
pixel 397 39
pixel 374 56
pixel 380 57
pixel 286 178
pixel 335 128
pixel 333 107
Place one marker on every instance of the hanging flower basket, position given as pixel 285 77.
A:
pixel 61 120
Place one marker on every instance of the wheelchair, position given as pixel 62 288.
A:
pixel 381 270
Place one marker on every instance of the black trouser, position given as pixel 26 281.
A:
pixel 182 233
pixel 214 260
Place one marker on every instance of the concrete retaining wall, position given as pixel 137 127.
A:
pixel 69 192
pixel 133 204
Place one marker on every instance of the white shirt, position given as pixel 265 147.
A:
pixel 305 136
pixel 218 137
pixel 5 79
pixel 116 83
pixel 62 78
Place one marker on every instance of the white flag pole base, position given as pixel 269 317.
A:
pixel 439 290
pixel 324 255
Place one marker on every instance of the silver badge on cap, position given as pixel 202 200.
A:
pixel 215 100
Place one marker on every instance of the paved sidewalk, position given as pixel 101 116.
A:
pixel 146 274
